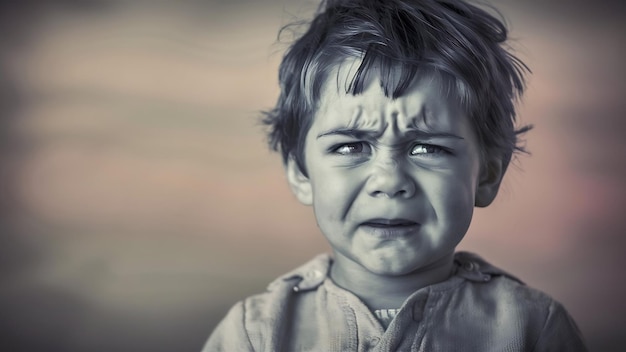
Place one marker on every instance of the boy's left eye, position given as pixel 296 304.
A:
pixel 425 149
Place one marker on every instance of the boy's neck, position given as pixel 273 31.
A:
pixel 386 291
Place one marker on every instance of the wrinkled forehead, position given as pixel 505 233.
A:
pixel 427 95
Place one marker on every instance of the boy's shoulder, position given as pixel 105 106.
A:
pixel 259 321
pixel 305 277
pixel 491 287
pixel 474 268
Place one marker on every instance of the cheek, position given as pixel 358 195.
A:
pixel 333 194
pixel 454 200
pixel 332 183
pixel 325 190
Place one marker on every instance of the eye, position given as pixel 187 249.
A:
pixel 426 149
pixel 352 148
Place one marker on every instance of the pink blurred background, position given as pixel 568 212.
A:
pixel 139 202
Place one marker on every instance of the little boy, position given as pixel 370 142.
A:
pixel 395 119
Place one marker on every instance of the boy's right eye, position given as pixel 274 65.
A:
pixel 352 148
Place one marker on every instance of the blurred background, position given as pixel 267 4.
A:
pixel 138 200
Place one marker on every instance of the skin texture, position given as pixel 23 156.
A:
pixel 393 184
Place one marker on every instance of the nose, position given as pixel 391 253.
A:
pixel 390 179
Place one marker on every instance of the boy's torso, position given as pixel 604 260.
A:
pixel 480 308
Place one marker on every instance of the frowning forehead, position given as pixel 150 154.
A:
pixel 425 106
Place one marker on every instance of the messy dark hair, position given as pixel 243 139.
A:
pixel 459 42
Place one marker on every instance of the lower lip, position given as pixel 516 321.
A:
pixel 391 232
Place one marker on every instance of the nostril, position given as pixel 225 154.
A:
pixel 380 194
pixel 400 193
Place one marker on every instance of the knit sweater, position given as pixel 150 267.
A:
pixel 479 308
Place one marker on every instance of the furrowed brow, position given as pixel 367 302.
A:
pixel 418 133
pixel 350 132
pixel 370 134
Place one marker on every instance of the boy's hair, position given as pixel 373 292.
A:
pixel 461 44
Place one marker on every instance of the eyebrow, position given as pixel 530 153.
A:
pixel 413 133
pixel 350 132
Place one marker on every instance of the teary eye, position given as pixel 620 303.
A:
pixel 352 148
pixel 424 149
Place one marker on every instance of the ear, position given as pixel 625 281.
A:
pixel 299 183
pixel 491 173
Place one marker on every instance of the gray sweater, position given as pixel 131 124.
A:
pixel 479 308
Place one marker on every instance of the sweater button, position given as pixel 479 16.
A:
pixel 374 341
pixel 314 274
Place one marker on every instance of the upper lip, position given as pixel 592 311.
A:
pixel 389 222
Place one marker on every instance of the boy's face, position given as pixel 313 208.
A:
pixel 393 183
